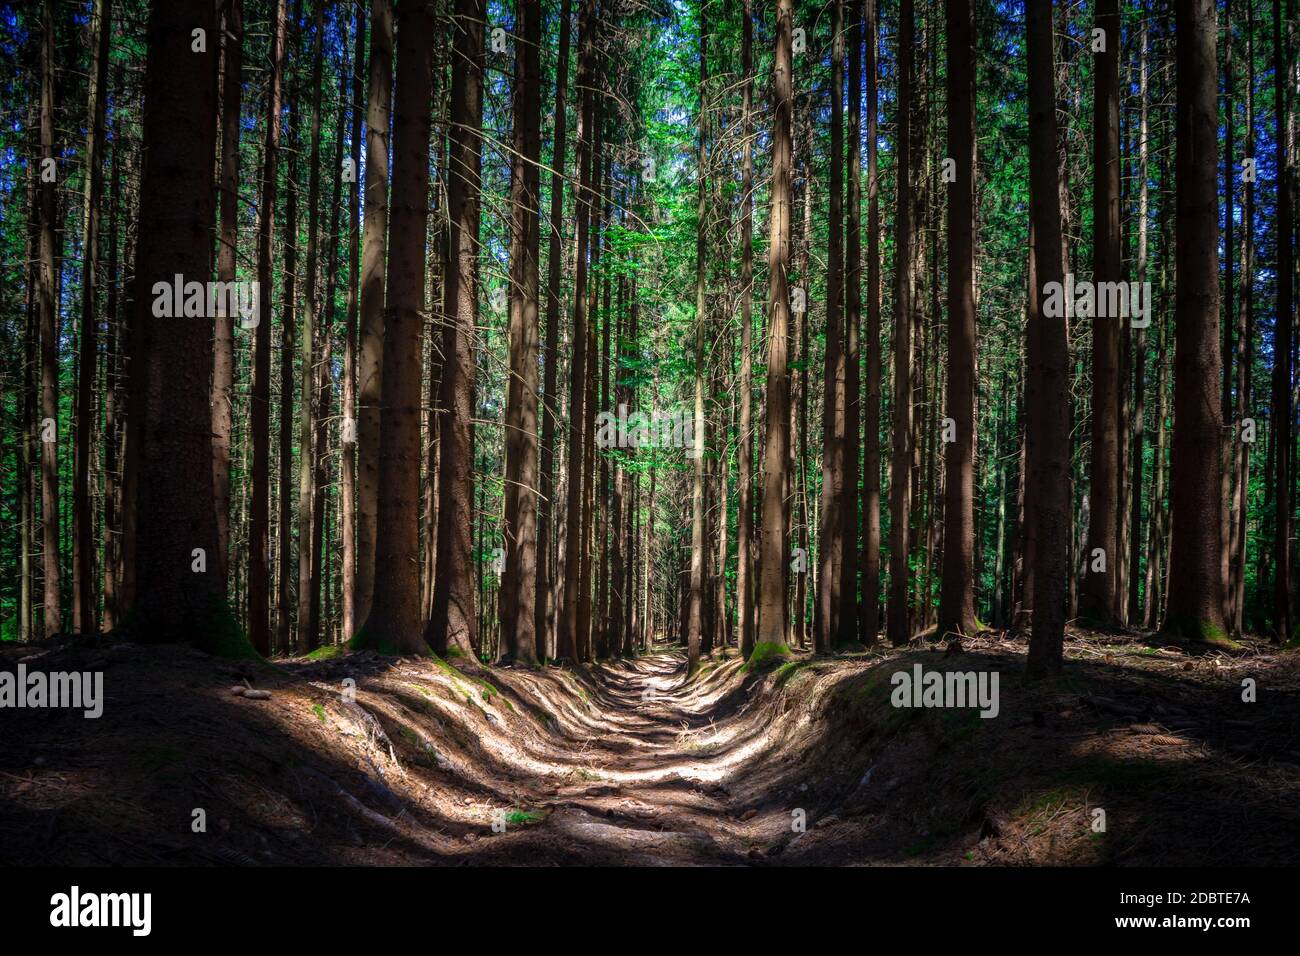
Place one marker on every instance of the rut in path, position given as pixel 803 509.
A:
pixel 666 762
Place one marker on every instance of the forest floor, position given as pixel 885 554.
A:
pixel 629 763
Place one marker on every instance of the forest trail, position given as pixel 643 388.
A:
pixel 358 758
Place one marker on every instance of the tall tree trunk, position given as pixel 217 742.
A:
pixel 544 602
pixel 453 625
pixel 849 607
pixel 1283 623
pixel 394 624
pixel 957 590
pixel 84 616
pixel 260 391
pixel 567 624
pixel 305 638
pixel 1099 600
pixel 898 614
pixel 1140 346
pixel 47 296
pixel 695 624
pixel 831 534
pixel 179 596
pixel 1195 602
pixel 1245 355
pixel 223 344
pixel 1048 458
pixel 370 357
pixel 870 625
pixel 348 478
pixel 519 588
pixel 773 565
pixel 745 503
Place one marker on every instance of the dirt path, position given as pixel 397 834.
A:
pixel 361 759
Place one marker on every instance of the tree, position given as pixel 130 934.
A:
pixel 1283 603
pixel 223 345
pixel 831 550
pixel 773 567
pixel 453 624
pixel 370 358
pixel 259 523
pixel 519 589
pixel 84 609
pixel 394 624
pixel 179 595
pixel 1195 603
pixel 898 615
pixel 957 592
pixel 1047 490
pixel 1099 597
pixel 47 297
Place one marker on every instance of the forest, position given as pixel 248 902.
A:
pixel 631 431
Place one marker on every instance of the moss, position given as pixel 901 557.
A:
pixel 319 711
pixel 328 652
pixel 454 651
pixel 764 654
pixel 367 639
pixel 1202 631
pixel 786 671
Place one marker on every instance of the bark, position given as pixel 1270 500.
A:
pixel 1099 598
pixel 695 623
pixel 370 354
pixel 178 598
pixel 1195 599
pixel 1283 617
pixel 519 589
pixel 348 477
pixel 745 479
pixel 898 623
pixel 957 593
pixel 870 621
pixel 84 608
pixel 260 389
pixel 47 297
pixel 305 637
pixel 831 534
pixel 1048 457
pixel 223 344
pixel 544 602
pixel 453 625
pixel 773 566
pixel 567 624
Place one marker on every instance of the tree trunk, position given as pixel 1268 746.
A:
pixel 1048 458
pixel 47 296
pixel 773 562
pixel 179 596
pixel 370 356
pixel 84 610
pixel 519 589
pixel 1195 601
pixel 957 590
pixel 453 626
pixel 544 602
pixel 260 389
pixel 898 621
pixel 223 348
pixel 1283 623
